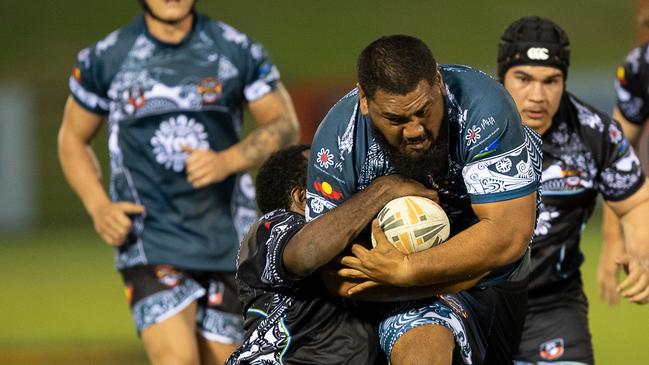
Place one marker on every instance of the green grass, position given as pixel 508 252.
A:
pixel 63 303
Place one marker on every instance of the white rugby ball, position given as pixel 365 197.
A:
pixel 413 223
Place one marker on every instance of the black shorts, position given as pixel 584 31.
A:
pixel 157 292
pixel 557 330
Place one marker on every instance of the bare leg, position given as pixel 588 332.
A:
pixel 173 341
pixel 214 353
pixel 425 345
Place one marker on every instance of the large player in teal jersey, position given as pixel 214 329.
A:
pixel 456 130
pixel 173 84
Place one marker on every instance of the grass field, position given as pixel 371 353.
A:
pixel 62 303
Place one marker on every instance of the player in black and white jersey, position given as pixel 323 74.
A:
pixel 290 316
pixel 632 111
pixel 584 154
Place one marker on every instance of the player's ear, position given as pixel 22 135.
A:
pixel 298 198
pixel 362 100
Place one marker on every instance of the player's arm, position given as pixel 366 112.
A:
pixel 81 170
pixel 633 212
pixel 277 127
pixel 322 239
pixel 500 237
pixel 375 292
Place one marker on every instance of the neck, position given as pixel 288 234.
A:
pixel 169 32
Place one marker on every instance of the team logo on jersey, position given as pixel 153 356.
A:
pixel 172 135
pixel 210 89
pixel 472 135
pixel 538 53
pixel 135 99
pixel 167 275
pixel 327 190
pixel 552 349
pixel 325 158
pixel 215 293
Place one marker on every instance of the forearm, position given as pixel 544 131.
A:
pixel 611 226
pixel 327 236
pixel 636 232
pixel 81 171
pixel 253 150
pixel 382 293
pixel 498 239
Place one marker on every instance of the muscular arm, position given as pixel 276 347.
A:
pixel 81 169
pixel 325 237
pixel 277 127
pixel 78 161
pixel 500 237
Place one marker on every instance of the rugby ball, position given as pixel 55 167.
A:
pixel 413 223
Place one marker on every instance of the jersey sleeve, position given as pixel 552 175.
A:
pixel 86 84
pixel 331 174
pixel 259 74
pixel 631 83
pixel 621 173
pixel 272 236
pixel 502 157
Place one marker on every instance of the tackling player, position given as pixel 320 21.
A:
pixel 172 85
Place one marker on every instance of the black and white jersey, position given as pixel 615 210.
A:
pixel 584 153
pixel 632 85
pixel 290 320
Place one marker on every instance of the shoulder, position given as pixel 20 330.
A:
pixel 587 116
pixel 341 117
pixel 112 46
pixel 282 219
pixel 225 32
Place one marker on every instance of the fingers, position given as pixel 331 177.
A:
pixel 362 287
pixel 641 298
pixel 379 235
pixel 188 150
pixel 130 208
pixel 352 274
pixel 635 284
pixel 351 262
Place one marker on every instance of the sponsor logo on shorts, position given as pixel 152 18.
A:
pixel 215 293
pixel 167 275
pixel 552 349
pixel 128 292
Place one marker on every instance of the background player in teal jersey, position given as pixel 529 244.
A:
pixel 172 85
pixel 585 154
pixel 456 130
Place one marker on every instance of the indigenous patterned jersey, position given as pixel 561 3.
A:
pixel 632 85
pixel 292 321
pixel 584 153
pixel 493 156
pixel 158 98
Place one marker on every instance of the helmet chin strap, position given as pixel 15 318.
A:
pixel 148 10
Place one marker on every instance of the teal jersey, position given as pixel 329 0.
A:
pixel 492 155
pixel 159 97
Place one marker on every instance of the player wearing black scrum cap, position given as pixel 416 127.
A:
pixel 584 153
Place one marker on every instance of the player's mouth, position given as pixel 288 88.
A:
pixel 534 113
pixel 418 144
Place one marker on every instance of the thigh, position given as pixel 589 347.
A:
pixel 440 321
pixel 557 333
pixel 427 344
pixel 219 319
pixel 173 340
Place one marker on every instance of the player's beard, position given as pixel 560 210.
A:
pixel 429 166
